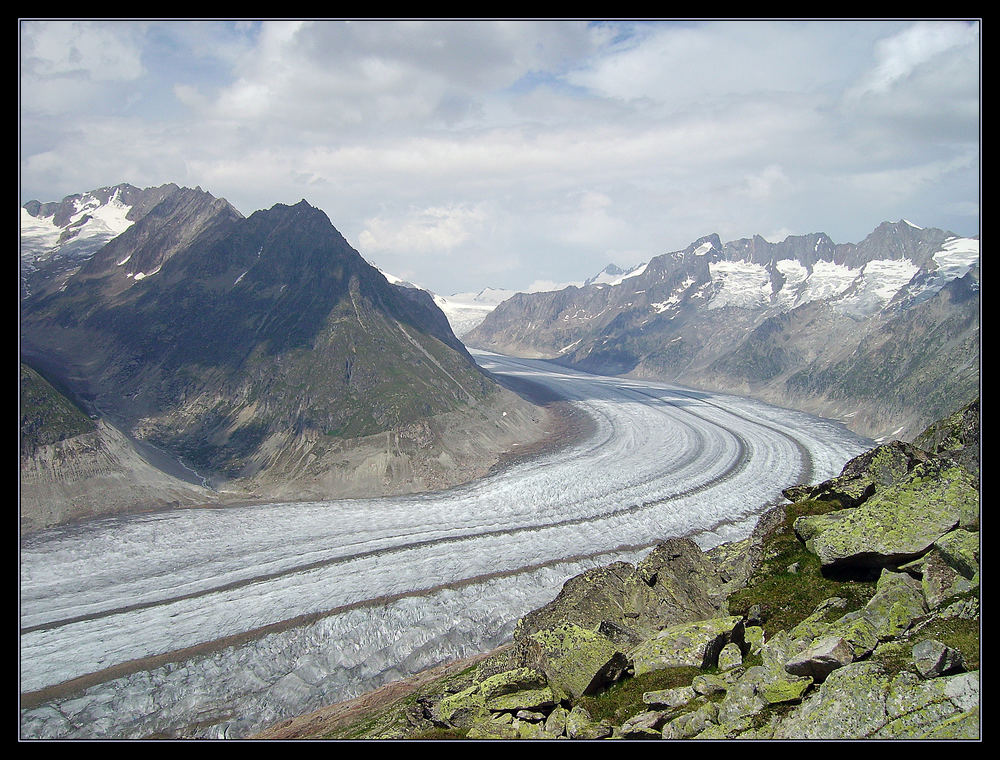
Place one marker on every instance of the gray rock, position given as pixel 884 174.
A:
pixel 933 659
pixel 646 725
pixel 580 725
pixel 672 698
pixel 696 644
pixel 730 657
pixel 859 701
pixel 692 723
pixel 897 524
pixel 822 658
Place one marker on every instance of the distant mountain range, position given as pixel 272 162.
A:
pixel 883 334
pixel 249 346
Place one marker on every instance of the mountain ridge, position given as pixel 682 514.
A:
pixel 748 316
pixel 235 342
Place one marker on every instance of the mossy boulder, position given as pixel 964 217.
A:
pixel 470 706
pixel 864 475
pixel 695 644
pixel 675 583
pixel 956 436
pixel 897 603
pixel 897 524
pixel 575 661
pixel 860 701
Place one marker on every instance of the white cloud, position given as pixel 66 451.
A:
pixel 899 56
pixel 430 230
pixel 530 151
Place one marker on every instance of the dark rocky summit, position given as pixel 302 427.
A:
pixel 266 354
pixel 778 636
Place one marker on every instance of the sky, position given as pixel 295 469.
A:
pixel 520 154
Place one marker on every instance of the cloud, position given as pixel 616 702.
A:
pixel 66 65
pixel 519 151
pixel 901 55
pixel 435 230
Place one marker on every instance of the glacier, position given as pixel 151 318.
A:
pixel 216 622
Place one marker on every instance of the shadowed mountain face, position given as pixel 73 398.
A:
pixel 220 337
pixel 883 334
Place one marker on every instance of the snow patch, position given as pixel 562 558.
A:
pixel 956 257
pixel 741 284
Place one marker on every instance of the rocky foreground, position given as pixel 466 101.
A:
pixel 852 612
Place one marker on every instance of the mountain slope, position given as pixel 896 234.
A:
pixel 72 467
pixel 804 322
pixel 234 342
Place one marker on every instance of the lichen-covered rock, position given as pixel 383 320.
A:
pixel 824 656
pixel 960 549
pixel 898 601
pixel 690 724
pixel 754 636
pixel 675 583
pixel 730 657
pixel 672 698
pixel 492 727
pixel 854 628
pixel 898 523
pixel 860 701
pixel 778 690
pixel 956 436
pixel 469 706
pixel 707 684
pixel 864 475
pixel 819 621
pixel 859 633
pixel 940 581
pixel 527 700
pixel 555 723
pixel 934 658
pixel 743 699
pixel 575 661
pixel 646 725
pixel 580 725
pixel 694 644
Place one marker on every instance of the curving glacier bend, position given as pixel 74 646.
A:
pixel 218 622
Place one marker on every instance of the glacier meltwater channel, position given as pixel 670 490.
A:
pixel 217 622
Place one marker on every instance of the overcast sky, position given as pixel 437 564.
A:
pixel 464 154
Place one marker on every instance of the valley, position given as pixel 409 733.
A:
pixel 216 622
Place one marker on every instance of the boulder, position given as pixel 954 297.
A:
pixel 940 581
pixel 696 644
pixel 897 524
pixel 864 475
pixel 555 723
pixel 469 706
pixel 730 657
pixel 960 550
pixel 897 603
pixel 859 701
pixel 675 583
pixel 956 436
pixel 693 723
pixel 579 725
pixel 646 725
pixel 575 661
pixel 933 659
pixel 672 698
pixel 823 657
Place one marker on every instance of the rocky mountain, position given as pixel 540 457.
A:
pixel 266 344
pixel 57 237
pixel 851 612
pixel 73 467
pixel 883 334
